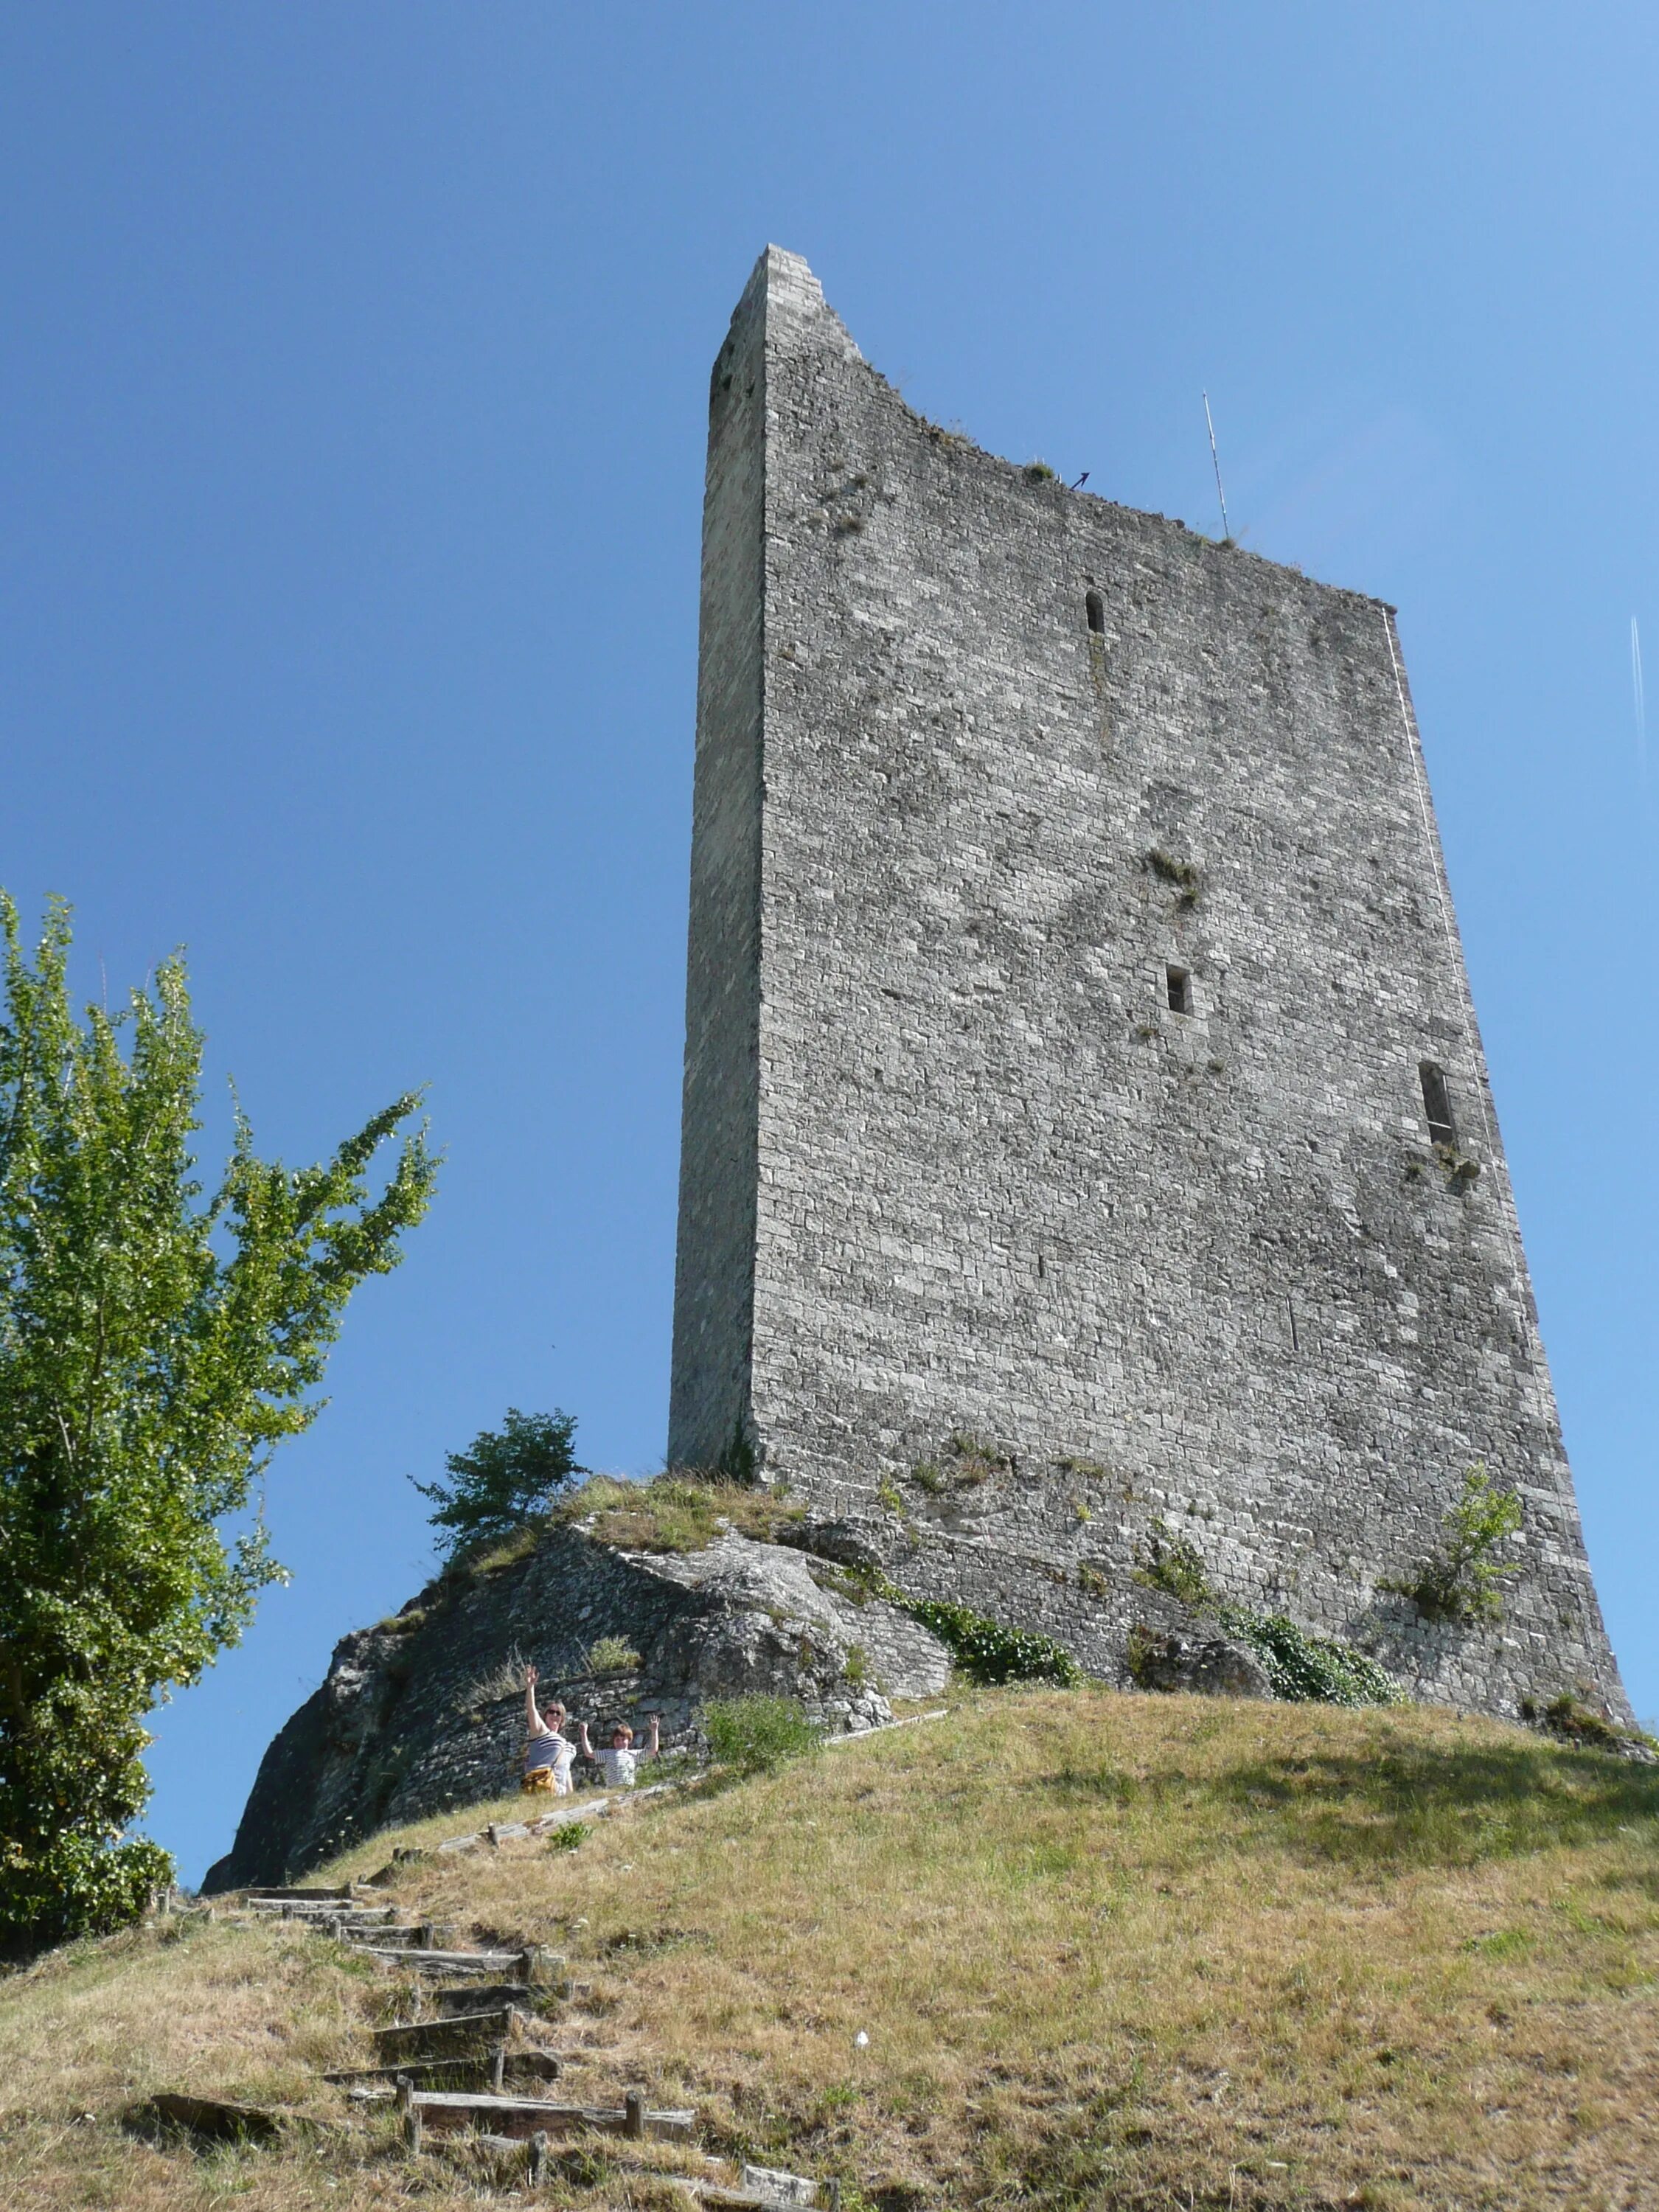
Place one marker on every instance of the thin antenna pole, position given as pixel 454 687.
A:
pixel 1226 530
pixel 1641 704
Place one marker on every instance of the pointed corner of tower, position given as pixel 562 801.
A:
pixel 782 289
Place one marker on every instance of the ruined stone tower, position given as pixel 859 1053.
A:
pixel 1085 1121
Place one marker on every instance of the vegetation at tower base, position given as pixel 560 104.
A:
pixel 1463 1581
pixel 1297 1664
pixel 986 1651
pixel 506 1479
pixel 1107 1951
pixel 1308 1670
pixel 155 1349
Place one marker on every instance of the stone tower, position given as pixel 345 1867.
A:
pixel 1085 1122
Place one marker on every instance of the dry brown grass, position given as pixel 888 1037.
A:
pixel 1108 1951
pixel 677 1512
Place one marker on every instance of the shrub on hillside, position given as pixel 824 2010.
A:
pixel 755 1735
pixel 985 1651
pixel 1308 1670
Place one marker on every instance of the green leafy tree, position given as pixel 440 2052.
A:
pixel 1463 1582
pixel 505 1478
pixel 156 1347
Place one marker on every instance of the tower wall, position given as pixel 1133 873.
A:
pixel 954 1165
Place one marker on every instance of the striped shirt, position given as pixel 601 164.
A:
pixel 550 1750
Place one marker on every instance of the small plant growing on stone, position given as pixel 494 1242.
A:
pixel 888 1492
pixel 1462 1170
pixel 930 1476
pixel 974 1460
pixel 611 1655
pixel 1091 1580
pixel 1137 1654
pixel 736 1462
pixel 1574 1716
pixel 1463 1582
pixel 855 1667
pixel 1181 875
pixel 504 1679
pixel 1040 473
pixel 756 1735
pixel 1174 1565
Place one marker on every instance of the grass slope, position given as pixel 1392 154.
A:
pixel 1107 1951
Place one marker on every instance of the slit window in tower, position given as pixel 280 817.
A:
pixel 1095 607
pixel 1437 1103
pixel 1179 983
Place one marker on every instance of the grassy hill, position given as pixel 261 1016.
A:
pixel 1107 1951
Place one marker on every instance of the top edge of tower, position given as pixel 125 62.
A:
pixel 787 299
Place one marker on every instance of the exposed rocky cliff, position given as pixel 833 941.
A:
pixel 425 1710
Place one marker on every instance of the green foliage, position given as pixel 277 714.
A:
pixel 1572 1716
pixel 1174 1565
pixel 504 1480
pixel 1040 473
pixel 738 1462
pixel 611 1655
pixel 1307 1669
pixel 1463 1581
pixel 1181 875
pixel 984 1650
pixel 155 1349
pixel 755 1735
pixel 491 1559
pixel 569 1836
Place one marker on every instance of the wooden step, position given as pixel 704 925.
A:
pixel 207 2119
pixel 494 2070
pixel 441 2111
pixel 416 1936
pixel 332 1913
pixel 469 1996
pixel 299 1896
pixel 762 2189
pixel 462 2034
pixel 448 1962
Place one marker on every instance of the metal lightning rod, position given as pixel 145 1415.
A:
pixel 1215 457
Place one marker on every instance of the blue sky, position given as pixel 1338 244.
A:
pixel 352 389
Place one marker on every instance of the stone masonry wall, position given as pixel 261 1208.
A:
pixel 954 1163
pixel 426 1711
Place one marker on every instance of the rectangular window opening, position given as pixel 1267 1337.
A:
pixel 1178 982
pixel 1437 1103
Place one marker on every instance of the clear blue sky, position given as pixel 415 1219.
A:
pixel 352 386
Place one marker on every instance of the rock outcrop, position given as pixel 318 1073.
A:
pixel 425 1711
